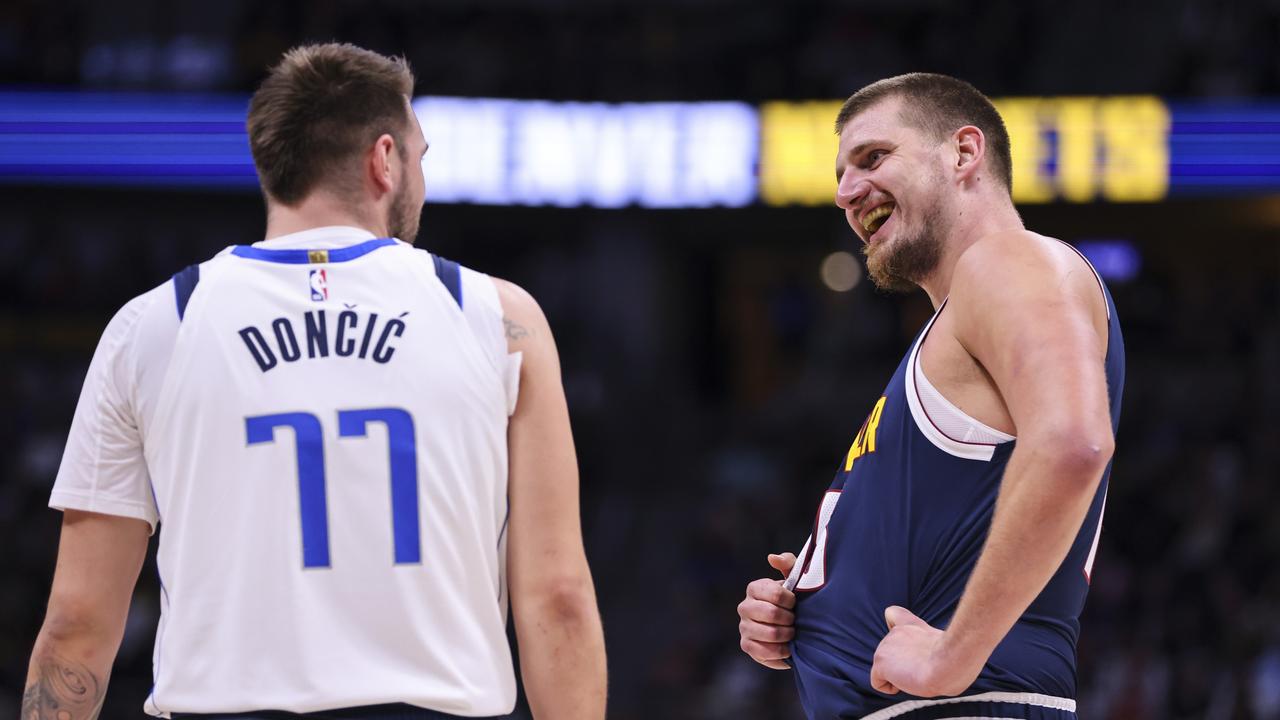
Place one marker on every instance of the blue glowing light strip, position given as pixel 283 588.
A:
pixel 1224 148
pixel 132 139
pixel 526 152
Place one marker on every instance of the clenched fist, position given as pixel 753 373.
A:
pixel 767 621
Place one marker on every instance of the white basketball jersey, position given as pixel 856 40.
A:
pixel 326 445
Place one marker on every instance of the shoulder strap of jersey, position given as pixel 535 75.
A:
pixel 447 271
pixel 184 283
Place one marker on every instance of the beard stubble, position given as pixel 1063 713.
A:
pixel 900 264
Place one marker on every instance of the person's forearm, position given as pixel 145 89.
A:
pixel 67 677
pixel 1043 500
pixel 562 656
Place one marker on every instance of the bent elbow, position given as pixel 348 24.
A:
pixel 71 620
pixel 566 600
pixel 76 630
pixel 1083 454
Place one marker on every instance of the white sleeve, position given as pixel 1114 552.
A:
pixel 483 309
pixel 103 468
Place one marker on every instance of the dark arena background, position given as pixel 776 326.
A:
pixel 658 173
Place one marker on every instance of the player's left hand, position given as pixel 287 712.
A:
pixel 912 658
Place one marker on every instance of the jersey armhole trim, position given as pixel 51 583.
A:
pixel 924 387
pixel 1096 276
pixel 1107 300
pixel 450 276
pixel 184 283
pixel 957 448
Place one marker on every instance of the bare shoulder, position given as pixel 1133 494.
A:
pixel 1023 264
pixel 522 317
pixel 1024 274
pixel 1016 252
pixel 529 334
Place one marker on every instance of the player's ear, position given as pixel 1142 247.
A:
pixel 970 146
pixel 380 163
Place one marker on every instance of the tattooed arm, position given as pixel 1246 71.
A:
pixel 515 331
pixel 553 600
pixel 99 557
pixel 62 689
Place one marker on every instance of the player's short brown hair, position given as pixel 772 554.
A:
pixel 318 109
pixel 939 105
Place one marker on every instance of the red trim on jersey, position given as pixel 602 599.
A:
pixel 915 386
pixel 1096 276
pixel 813 547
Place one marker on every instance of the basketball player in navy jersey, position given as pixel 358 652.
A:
pixel 950 557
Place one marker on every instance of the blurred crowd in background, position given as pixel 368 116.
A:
pixel 623 50
pixel 713 378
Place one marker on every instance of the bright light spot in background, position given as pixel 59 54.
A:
pixel 466 159
pixel 1114 259
pixel 503 152
pixel 721 144
pixel 841 271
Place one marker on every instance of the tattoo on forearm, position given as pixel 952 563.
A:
pixel 515 331
pixel 63 690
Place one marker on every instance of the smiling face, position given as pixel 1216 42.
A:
pixel 895 193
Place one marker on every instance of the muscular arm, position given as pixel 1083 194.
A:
pixel 1031 319
pixel 1035 320
pixel 558 628
pixel 99 557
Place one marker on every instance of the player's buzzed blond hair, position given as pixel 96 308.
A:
pixel 939 105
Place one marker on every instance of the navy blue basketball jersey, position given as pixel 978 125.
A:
pixel 903 523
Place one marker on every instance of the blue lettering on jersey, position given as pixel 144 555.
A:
pixel 282 343
pixel 346 322
pixel 313 495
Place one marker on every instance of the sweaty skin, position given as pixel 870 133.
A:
pixel 1032 316
pixel 1020 348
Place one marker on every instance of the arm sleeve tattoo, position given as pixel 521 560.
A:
pixel 63 690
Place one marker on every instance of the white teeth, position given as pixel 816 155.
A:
pixel 873 220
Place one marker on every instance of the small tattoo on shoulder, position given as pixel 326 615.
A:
pixel 515 331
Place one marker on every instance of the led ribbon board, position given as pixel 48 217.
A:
pixel 1077 149
pixel 498 152
pixel 147 139
pixel 1224 148
pixel 659 155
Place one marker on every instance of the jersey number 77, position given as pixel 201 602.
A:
pixel 312 498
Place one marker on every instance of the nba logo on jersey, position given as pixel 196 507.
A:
pixel 319 285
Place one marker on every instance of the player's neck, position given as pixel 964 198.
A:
pixel 316 211
pixel 971 224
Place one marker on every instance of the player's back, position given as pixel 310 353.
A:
pixel 327 447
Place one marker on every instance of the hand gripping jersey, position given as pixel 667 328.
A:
pixel 319 424
pixel 903 524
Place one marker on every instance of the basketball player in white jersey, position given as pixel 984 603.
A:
pixel 356 450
